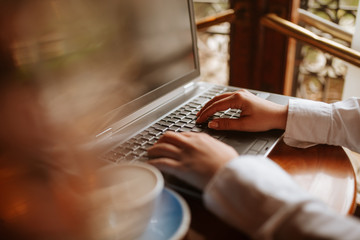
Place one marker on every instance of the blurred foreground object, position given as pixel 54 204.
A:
pixel 63 66
pixel 123 200
pixel 73 54
pixel 42 176
pixel 53 189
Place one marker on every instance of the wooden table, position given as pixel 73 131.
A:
pixel 325 171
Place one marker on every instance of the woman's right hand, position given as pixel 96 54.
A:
pixel 257 114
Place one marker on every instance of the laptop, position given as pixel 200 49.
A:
pixel 130 71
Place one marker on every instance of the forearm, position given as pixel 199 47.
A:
pixel 249 190
pixel 257 197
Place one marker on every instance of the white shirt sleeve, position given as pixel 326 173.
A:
pixel 259 198
pixel 312 122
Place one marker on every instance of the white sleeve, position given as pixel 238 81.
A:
pixel 259 198
pixel 310 122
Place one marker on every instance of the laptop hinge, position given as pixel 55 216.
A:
pixel 105 132
pixel 188 87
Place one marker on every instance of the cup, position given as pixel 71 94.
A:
pixel 123 200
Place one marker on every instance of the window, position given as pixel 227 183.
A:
pixel 319 75
pixel 213 43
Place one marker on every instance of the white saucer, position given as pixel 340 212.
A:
pixel 170 220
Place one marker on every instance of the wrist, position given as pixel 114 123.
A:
pixel 281 118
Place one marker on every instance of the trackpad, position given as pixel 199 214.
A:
pixel 241 142
pixel 251 143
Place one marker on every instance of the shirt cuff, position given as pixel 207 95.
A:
pixel 308 123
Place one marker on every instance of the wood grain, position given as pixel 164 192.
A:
pixel 324 171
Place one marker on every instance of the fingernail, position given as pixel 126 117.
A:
pixel 213 124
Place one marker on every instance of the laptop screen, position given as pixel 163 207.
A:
pixel 94 57
pixel 164 50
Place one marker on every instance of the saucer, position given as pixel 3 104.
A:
pixel 171 218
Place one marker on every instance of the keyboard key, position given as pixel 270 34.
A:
pixel 179 124
pixel 226 115
pixel 185 129
pixel 197 129
pixel 190 125
pixel 173 128
pixel 148 136
pixel 184 112
pixel 152 141
pixel 179 117
pixel 138 152
pixel 163 123
pixel 186 120
pixel 191 116
pixel 173 120
pixel 218 114
pixel 142 141
pixel 155 132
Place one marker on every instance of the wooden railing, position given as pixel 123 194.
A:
pixel 324 25
pixel 225 16
pixel 295 31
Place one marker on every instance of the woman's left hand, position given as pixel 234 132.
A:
pixel 192 157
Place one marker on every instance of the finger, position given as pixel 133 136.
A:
pixel 220 105
pixel 176 139
pixel 214 99
pixel 189 134
pixel 164 150
pixel 166 165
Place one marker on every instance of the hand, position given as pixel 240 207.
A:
pixel 192 157
pixel 257 114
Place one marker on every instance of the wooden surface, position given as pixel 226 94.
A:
pixel 325 171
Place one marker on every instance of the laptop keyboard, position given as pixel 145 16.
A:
pixel 180 120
